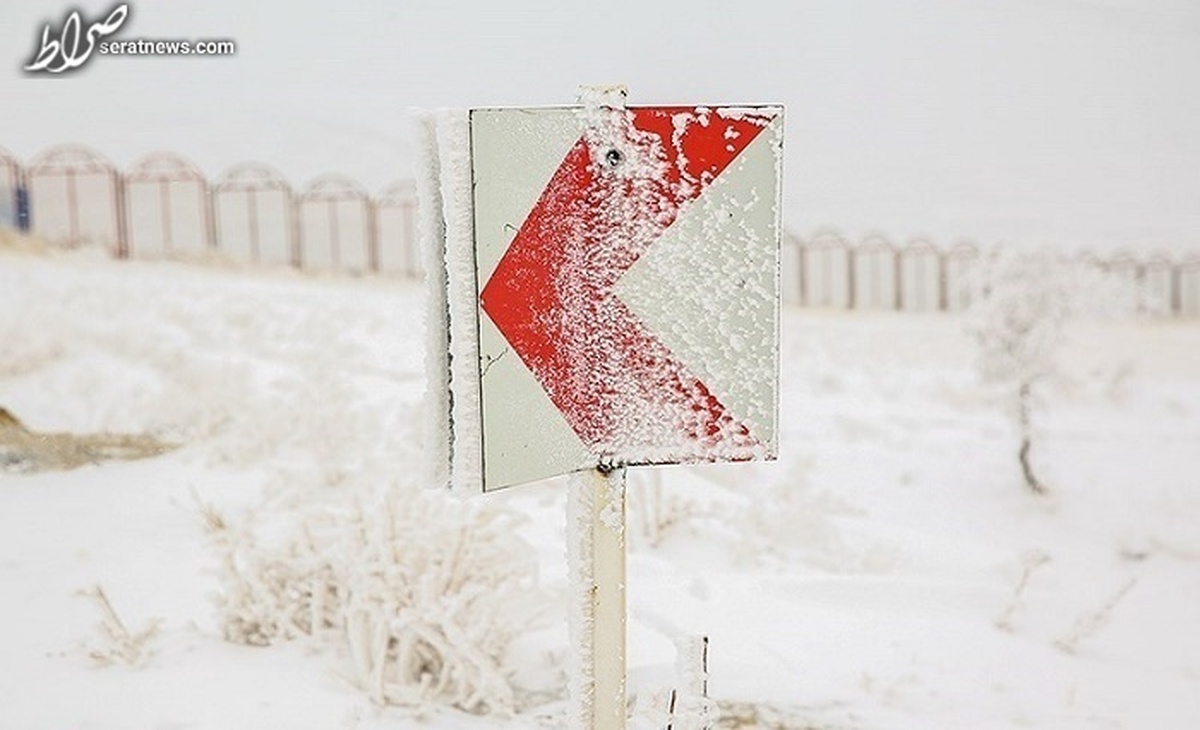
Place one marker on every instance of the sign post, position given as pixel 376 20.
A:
pixel 611 297
pixel 596 551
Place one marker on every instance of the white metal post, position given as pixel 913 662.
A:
pixel 596 548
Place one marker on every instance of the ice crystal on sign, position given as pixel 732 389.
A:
pixel 626 395
pixel 574 212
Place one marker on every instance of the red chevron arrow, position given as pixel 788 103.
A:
pixel 552 294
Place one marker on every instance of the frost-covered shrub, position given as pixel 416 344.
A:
pixel 427 592
pixel 1021 324
pixel 117 644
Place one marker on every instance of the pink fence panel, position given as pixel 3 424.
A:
pixel 921 277
pixel 164 207
pixel 1187 290
pixel 254 217
pixel 790 271
pixel 396 230
pixel 874 278
pixel 1157 285
pixel 167 208
pixel 961 268
pixel 1126 271
pixel 75 198
pixel 336 227
pixel 825 271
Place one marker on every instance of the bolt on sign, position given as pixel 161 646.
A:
pixel 626 286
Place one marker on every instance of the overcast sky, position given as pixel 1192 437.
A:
pixel 1054 121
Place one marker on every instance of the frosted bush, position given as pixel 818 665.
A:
pixel 117 644
pixel 424 592
pixel 1020 326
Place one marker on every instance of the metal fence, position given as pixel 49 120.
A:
pixel 827 269
pixel 165 207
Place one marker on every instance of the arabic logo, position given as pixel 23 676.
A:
pixel 66 48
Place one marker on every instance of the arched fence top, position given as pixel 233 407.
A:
pixel 70 158
pixel 876 242
pixel 921 246
pixel 401 191
pixel 1122 261
pixel 952 283
pixel 1157 261
pixel 251 176
pixel 166 166
pixel 830 268
pixel 827 238
pixel 332 186
pixel 963 250
pixel 10 172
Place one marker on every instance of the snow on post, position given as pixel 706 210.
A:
pixel 455 158
pixel 431 233
pixel 690 708
pixel 596 615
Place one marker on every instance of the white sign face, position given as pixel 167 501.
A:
pixel 627 265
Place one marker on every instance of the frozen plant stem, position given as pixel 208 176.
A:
pixel 120 645
pixel 1090 624
pixel 1031 563
pixel 1024 408
pixel 690 708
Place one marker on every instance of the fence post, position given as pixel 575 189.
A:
pixel 295 230
pixel 851 284
pixel 208 203
pixel 335 245
pixel 943 293
pixel 372 235
pixel 801 252
pixel 1176 294
pixel 1139 277
pixel 121 219
pixel 72 210
pixel 252 222
pixel 898 279
pixel 164 202
pixel 214 205
pixel 24 210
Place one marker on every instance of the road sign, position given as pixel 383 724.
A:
pixel 608 281
pixel 627 267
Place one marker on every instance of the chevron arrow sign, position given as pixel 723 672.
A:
pixel 627 266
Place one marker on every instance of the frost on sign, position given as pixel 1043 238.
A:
pixel 627 265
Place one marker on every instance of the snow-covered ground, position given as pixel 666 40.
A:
pixel 869 579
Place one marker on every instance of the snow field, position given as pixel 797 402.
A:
pixel 867 580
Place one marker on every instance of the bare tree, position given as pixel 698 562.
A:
pixel 1020 324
